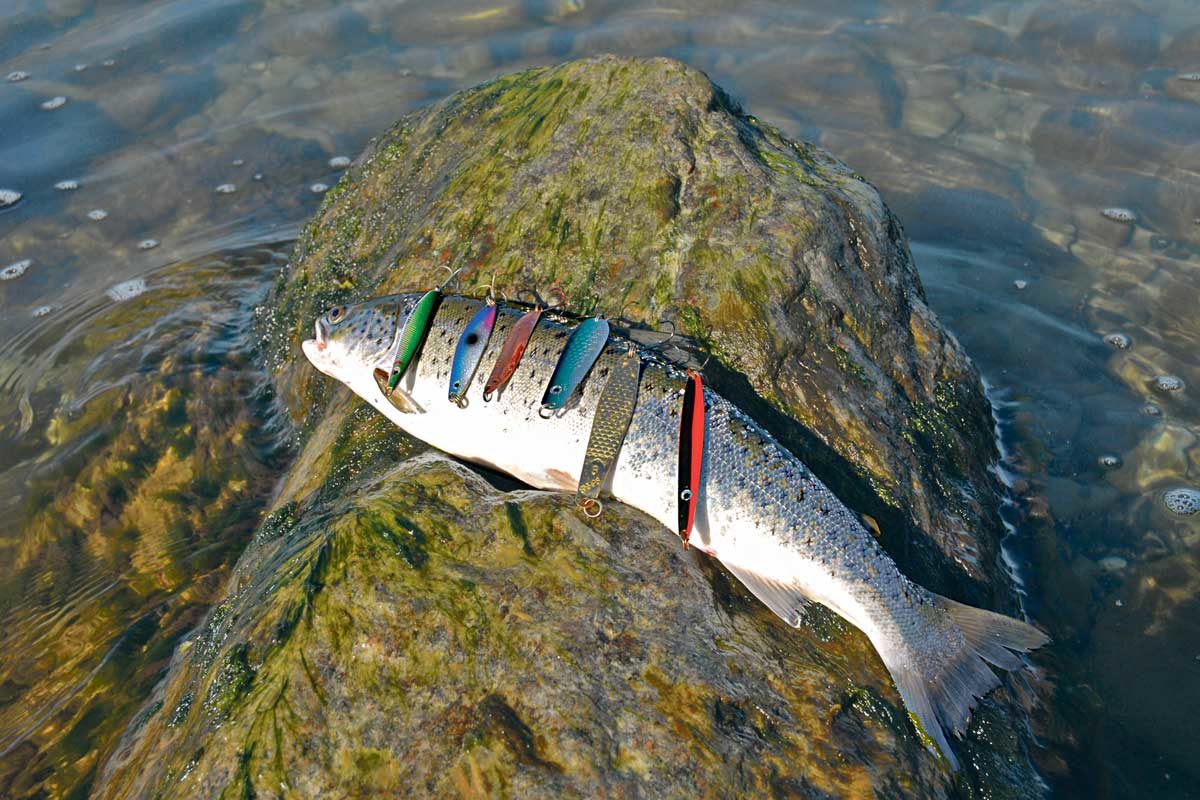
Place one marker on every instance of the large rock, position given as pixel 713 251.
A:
pixel 402 624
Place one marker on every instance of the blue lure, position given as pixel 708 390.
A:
pixel 581 352
pixel 469 351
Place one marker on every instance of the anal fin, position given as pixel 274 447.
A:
pixel 788 601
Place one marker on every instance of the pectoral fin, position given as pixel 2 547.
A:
pixel 399 398
pixel 786 600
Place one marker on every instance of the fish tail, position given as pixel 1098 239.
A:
pixel 941 690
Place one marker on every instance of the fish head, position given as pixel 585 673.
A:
pixel 352 340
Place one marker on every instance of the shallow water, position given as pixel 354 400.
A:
pixel 1042 158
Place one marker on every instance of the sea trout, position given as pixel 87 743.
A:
pixel 761 512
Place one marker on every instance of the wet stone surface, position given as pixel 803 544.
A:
pixel 555 657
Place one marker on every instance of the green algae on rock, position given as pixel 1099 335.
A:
pixel 132 517
pixel 410 627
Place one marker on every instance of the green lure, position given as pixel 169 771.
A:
pixel 614 412
pixel 413 335
pixel 581 352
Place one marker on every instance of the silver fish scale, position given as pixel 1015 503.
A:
pixel 756 496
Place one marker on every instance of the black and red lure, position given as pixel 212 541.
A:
pixel 691 453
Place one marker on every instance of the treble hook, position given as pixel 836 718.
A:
pixel 450 277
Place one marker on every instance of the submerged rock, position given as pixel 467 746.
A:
pixel 402 624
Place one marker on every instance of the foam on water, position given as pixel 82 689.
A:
pixel 1118 341
pixel 339 162
pixel 147 244
pixel 1117 214
pixel 319 188
pixel 1183 500
pixel 16 76
pixel 97 214
pixel 54 103
pixel 127 290
pixel 66 186
pixel 226 188
pixel 9 197
pixel 15 269
pixel 1168 383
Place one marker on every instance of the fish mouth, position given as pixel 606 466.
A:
pixel 322 329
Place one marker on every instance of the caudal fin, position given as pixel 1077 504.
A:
pixel 941 690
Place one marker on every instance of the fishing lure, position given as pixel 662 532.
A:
pixel 511 352
pixel 691 453
pixel 469 351
pixel 415 329
pixel 581 352
pixel 412 335
pixel 614 412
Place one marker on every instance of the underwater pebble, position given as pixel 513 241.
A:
pixel 67 186
pixel 15 269
pixel 1151 410
pixel 9 197
pixel 1183 501
pixel 318 188
pixel 147 244
pixel 1112 563
pixel 1168 383
pixel 1109 460
pixel 16 76
pixel 1020 284
pixel 54 102
pixel 1117 340
pixel 1119 214
pixel 339 162
pixel 1118 604
pixel 127 290
pixel 97 214
pixel 226 188
pixel 42 311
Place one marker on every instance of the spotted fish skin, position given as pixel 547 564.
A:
pixel 760 511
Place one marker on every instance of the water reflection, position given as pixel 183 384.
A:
pixel 1041 155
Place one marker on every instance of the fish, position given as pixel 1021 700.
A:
pixel 759 510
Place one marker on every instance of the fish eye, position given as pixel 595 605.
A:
pixel 336 313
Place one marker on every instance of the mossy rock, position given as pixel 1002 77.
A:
pixel 403 624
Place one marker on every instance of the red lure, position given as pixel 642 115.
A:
pixel 691 453
pixel 511 352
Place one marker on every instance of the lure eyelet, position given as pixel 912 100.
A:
pixel 685 495
pixel 545 412
pixel 462 402
pixel 590 504
pixel 487 396
pixel 555 390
